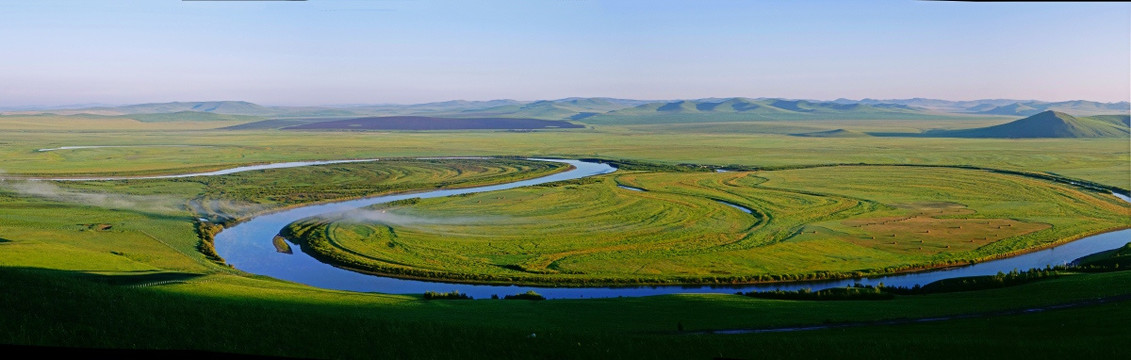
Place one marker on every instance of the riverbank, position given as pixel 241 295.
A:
pixel 437 281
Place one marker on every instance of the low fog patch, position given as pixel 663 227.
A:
pixel 369 216
pixel 147 203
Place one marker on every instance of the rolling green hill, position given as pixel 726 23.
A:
pixel 1011 109
pixel 1124 120
pixel 155 110
pixel 534 110
pixel 1075 107
pixel 600 104
pixel 433 123
pixel 743 109
pixel 565 109
pixel 220 107
pixel 1048 124
pixel 190 116
pixel 612 111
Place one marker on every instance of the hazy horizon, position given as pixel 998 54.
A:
pixel 88 105
pixel 319 53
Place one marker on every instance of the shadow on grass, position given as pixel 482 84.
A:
pixel 124 278
pixel 139 278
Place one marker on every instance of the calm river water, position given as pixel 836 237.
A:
pixel 248 247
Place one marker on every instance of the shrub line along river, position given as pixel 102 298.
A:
pixel 248 246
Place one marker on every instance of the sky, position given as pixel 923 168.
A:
pixel 322 52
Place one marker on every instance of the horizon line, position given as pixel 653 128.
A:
pixel 80 105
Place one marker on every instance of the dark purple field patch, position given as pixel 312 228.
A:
pixel 433 123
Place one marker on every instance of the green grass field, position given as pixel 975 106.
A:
pixel 147 225
pixel 811 223
pixel 258 316
pixel 122 268
pixel 1102 160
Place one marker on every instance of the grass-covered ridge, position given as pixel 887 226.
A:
pixel 811 223
pixel 1116 258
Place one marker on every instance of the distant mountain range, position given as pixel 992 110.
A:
pixel 1079 107
pixel 612 110
pixel 744 109
pixel 1071 119
pixel 1004 106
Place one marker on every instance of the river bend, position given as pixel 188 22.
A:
pixel 248 246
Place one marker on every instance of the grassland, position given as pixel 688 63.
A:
pixel 259 316
pixel 143 284
pixel 1048 124
pixel 147 225
pixel 1118 258
pixel 1102 160
pixel 814 223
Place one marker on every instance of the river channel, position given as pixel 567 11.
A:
pixel 248 246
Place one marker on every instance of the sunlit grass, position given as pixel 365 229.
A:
pixel 806 223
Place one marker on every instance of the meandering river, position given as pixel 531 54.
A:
pixel 248 247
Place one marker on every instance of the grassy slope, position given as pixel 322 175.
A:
pixel 1120 257
pixel 191 116
pixel 76 124
pixel 230 313
pixel 1048 124
pixel 838 220
pixel 548 109
pixel 741 109
pixel 423 123
pixel 1076 107
pixel 219 107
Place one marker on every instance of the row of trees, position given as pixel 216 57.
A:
pixel 456 295
pixel 207 232
pixel 452 295
pixel 850 293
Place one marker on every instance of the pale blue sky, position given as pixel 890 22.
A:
pixel 343 51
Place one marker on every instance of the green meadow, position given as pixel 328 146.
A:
pixel 815 223
pixel 240 314
pixel 1103 160
pixel 148 225
pixel 119 264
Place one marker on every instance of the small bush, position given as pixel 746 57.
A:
pixel 529 295
pixel 851 293
pixel 454 295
